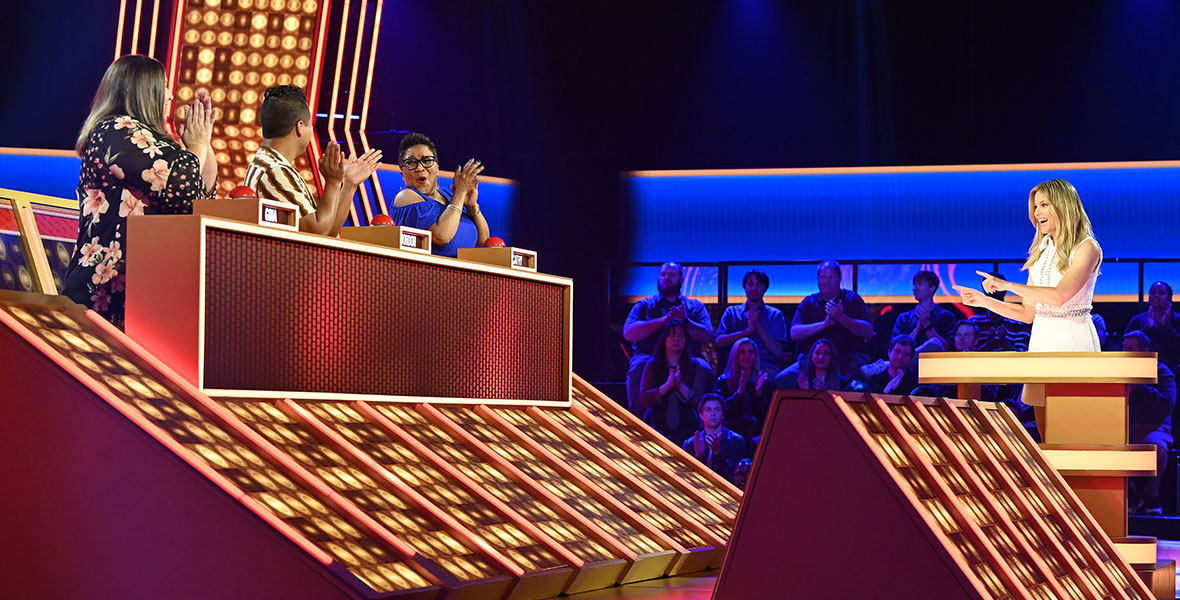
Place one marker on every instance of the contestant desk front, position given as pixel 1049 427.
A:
pixel 255 311
pixel 1084 428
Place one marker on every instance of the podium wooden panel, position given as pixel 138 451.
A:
pixel 1083 422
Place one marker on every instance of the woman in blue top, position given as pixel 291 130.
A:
pixel 451 216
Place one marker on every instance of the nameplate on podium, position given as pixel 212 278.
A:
pixel 391 236
pixel 258 211
pixel 515 258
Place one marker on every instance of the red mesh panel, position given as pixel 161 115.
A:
pixel 291 317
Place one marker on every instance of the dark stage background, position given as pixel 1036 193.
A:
pixel 564 95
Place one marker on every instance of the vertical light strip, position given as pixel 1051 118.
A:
pixel 336 90
pixel 135 27
pixel 174 47
pixel 155 25
pixel 119 34
pixel 356 65
pixel 365 104
pixel 314 78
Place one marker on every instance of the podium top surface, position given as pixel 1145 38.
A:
pixel 1037 367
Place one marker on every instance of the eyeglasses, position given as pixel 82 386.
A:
pixel 411 164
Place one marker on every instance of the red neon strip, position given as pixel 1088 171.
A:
pixel 119 35
pixel 161 436
pixel 155 25
pixel 135 27
pixel 314 75
pixel 471 536
pixel 365 103
pixel 356 63
pixel 174 49
pixel 336 92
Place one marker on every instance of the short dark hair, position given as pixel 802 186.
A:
pixel 282 107
pixel 968 324
pixel 710 398
pixel 759 276
pixel 903 339
pixel 415 139
pixel 1138 335
pixel 929 277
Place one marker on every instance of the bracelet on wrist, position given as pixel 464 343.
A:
pixel 455 208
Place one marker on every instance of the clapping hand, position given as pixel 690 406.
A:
pixel 196 124
pixel 761 382
pixel 332 163
pixel 677 313
pixel 699 444
pixel 357 170
pixel 714 441
pixel 466 176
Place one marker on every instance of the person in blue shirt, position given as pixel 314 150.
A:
pixel 756 320
pixel 648 318
pixel 451 215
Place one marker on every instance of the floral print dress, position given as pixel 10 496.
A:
pixel 127 169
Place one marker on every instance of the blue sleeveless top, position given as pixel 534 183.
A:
pixel 425 214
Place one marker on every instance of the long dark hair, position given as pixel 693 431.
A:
pixel 133 85
pixel 660 358
pixel 832 379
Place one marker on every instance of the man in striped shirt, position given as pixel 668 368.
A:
pixel 287 131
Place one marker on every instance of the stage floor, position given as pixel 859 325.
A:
pixel 685 587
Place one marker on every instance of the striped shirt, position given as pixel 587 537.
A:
pixel 271 176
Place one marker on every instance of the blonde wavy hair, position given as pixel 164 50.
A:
pixel 1073 225
pixel 133 85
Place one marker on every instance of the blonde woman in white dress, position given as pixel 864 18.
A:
pixel 1062 268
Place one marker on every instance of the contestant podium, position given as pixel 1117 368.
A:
pixel 295 416
pixel 1085 425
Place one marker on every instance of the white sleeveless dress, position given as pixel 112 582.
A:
pixel 1065 328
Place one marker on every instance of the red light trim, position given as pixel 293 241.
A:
pixel 409 440
pixel 174 49
pixel 356 63
pixel 336 91
pixel 135 27
pixel 119 34
pixel 365 103
pixel 161 436
pixel 155 25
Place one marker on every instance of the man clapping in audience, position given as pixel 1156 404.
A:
pixel 719 448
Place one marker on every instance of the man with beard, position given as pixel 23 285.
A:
pixel 836 314
pixel 648 318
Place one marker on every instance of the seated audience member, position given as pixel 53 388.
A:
pixel 741 473
pixel 287 131
pixel 1160 323
pixel 1100 328
pixel 1150 422
pixel 649 316
pixel 966 336
pixel 927 323
pixel 967 340
pixel 746 390
pixel 452 216
pixel 672 385
pixel 714 445
pixel 998 333
pixel 819 369
pixel 896 375
pixel 832 313
pixel 754 320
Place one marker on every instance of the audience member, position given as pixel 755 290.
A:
pixel 452 216
pixel 832 313
pixel 1100 328
pixel 756 320
pixel 713 444
pixel 287 131
pixel 673 383
pixel 967 340
pixel 819 369
pixel 1150 422
pixel 998 333
pixel 741 473
pixel 132 166
pixel 966 336
pixel 896 375
pixel 1160 323
pixel 746 390
pixel 649 316
pixel 927 323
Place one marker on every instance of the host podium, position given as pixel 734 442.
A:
pixel 1084 423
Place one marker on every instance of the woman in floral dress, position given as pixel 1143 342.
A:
pixel 132 166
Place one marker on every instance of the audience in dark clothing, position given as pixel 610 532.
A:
pixel 896 375
pixel 764 325
pixel 713 444
pixel 672 384
pixel 1160 323
pixel 746 390
pixel 1150 409
pixel 928 324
